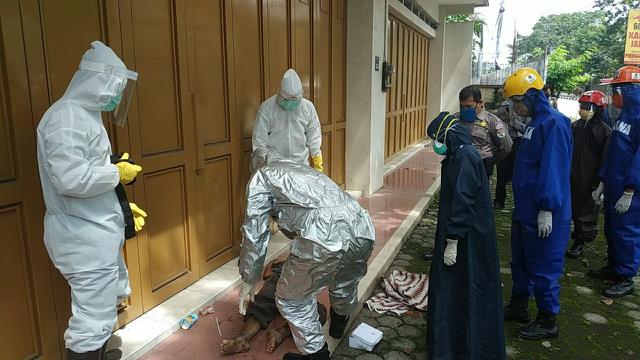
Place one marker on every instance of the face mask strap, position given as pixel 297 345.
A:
pixel 446 130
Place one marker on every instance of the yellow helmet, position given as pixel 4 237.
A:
pixel 520 81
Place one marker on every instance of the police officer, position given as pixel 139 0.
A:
pixel 490 135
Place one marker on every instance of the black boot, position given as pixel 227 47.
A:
pixel 517 309
pixel 322 354
pixel 91 355
pixel 605 273
pixel 622 287
pixel 576 250
pixel 544 327
pixel 338 324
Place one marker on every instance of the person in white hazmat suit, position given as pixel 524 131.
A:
pixel 84 223
pixel 332 240
pixel 288 124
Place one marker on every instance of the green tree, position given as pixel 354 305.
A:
pixel 578 33
pixel 567 73
pixel 616 12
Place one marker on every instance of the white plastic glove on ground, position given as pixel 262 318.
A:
pixel 597 195
pixel 247 293
pixel 451 252
pixel 545 226
pixel 623 204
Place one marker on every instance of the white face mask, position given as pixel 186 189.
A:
pixel 585 114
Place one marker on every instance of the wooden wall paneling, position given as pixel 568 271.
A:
pixel 303 44
pixel 28 323
pixel 217 140
pixel 161 128
pixel 277 40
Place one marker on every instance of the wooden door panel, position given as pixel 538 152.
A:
pixel 168 253
pixel 210 73
pixel 277 52
pixel 162 136
pixel 217 211
pixel 69 27
pixel 17 311
pixel 406 101
pixel 338 62
pixel 28 324
pixel 160 122
pixel 322 62
pixel 302 44
pixel 247 57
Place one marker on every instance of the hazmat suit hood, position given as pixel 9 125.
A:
pixel 291 86
pixel 456 137
pixel 631 101
pixel 537 103
pixel 93 90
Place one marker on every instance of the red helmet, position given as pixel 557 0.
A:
pixel 596 97
pixel 627 74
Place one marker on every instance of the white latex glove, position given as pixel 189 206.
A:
pixel 247 293
pixel 451 252
pixel 597 195
pixel 545 226
pixel 623 204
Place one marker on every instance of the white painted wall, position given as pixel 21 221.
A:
pixel 366 22
pixel 449 62
pixel 449 71
pixel 457 66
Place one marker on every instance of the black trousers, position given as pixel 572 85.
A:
pixel 505 172
pixel 488 166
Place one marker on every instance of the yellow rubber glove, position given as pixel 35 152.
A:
pixel 138 216
pixel 128 171
pixel 317 162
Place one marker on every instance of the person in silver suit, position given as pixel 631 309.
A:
pixel 332 240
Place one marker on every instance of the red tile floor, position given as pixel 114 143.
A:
pixel 388 208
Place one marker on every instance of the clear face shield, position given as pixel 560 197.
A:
pixel 124 82
pixel 614 96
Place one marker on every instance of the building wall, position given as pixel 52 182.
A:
pixel 456 71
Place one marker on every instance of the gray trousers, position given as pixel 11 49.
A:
pixel 309 269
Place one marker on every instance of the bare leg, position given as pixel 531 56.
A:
pixel 277 331
pixel 242 342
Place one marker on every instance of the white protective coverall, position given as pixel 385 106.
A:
pixel 332 240
pixel 294 134
pixel 84 224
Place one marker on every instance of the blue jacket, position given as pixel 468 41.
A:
pixel 541 177
pixel 621 168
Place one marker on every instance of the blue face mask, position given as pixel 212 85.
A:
pixel 468 114
pixel 113 104
pixel 288 104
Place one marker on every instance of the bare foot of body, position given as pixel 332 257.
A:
pixel 234 346
pixel 277 331
pixel 275 337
